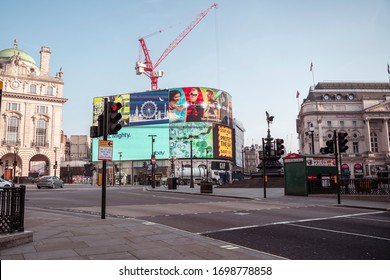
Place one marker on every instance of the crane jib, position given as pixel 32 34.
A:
pixel 146 67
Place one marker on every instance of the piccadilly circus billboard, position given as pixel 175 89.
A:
pixel 177 116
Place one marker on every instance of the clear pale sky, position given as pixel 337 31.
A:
pixel 258 51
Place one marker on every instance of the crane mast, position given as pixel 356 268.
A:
pixel 146 67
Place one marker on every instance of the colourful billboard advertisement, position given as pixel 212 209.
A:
pixel 173 115
pixel 135 143
pixel 223 142
pixel 197 104
pixel 148 108
pixel 181 135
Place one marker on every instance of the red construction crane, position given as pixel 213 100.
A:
pixel 146 66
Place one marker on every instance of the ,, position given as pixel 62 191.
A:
pixel 49 182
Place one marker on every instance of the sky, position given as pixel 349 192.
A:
pixel 258 51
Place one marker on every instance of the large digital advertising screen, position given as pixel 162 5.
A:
pixel 223 142
pixel 135 143
pixel 181 135
pixel 148 108
pixel 176 116
pixel 197 104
